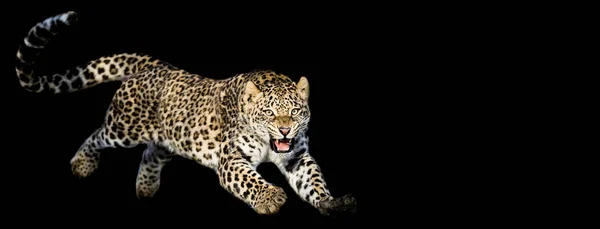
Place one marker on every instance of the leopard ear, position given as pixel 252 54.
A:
pixel 302 88
pixel 252 92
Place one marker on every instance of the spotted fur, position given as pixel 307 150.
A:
pixel 228 125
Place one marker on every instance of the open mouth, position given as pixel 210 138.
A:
pixel 282 145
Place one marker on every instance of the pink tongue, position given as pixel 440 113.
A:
pixel 281 146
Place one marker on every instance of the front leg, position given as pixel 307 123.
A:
pixel 238 177
pixel 306 179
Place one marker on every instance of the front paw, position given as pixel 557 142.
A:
pixel 270 200
pixel 342 205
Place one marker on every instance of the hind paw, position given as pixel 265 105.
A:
pixel 146 188
pixel 83 167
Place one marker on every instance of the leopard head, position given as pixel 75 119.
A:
pixel 278 109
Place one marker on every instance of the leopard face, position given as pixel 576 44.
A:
pixel 279 112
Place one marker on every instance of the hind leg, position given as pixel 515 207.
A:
pixel 86 160
pixel 148 178
pixel 130 120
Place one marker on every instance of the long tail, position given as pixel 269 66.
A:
pixel 104 69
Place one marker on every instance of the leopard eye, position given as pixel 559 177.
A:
pixel 268 112
pixel 295 111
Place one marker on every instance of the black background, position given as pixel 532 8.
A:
pixel 395 140
pixel 48 129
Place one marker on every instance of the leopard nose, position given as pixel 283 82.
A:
pixel 284 130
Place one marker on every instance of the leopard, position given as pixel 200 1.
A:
pixel 229 125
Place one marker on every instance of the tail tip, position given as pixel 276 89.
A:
pixel 69 17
